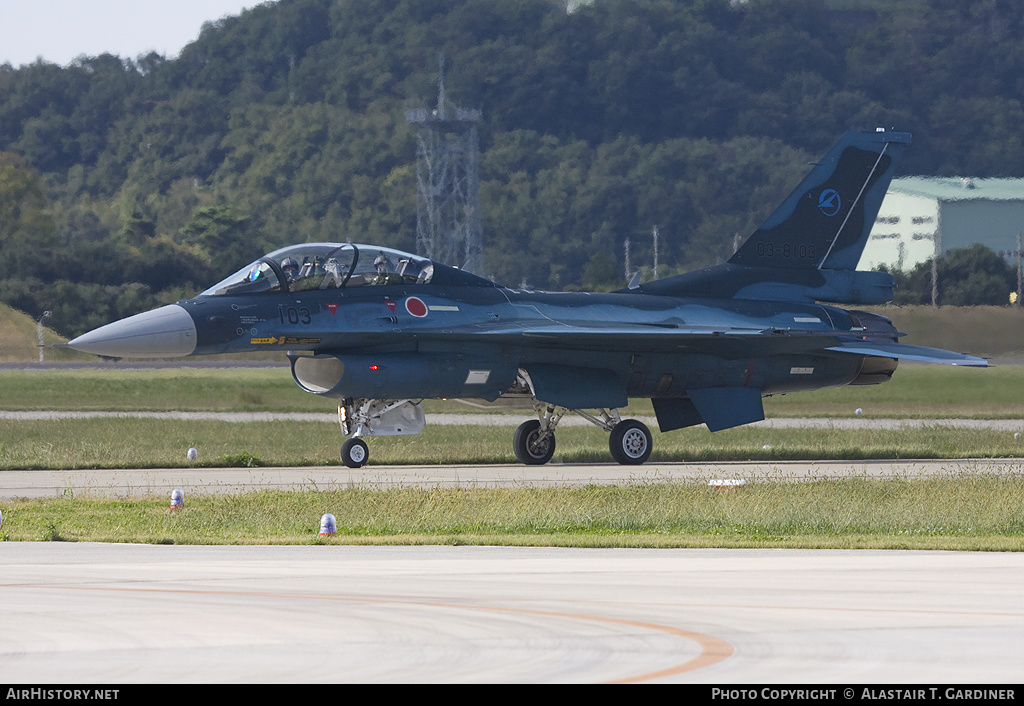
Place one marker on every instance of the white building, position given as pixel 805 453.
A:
pixel 922 216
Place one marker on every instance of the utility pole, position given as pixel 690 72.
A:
pixel 1017 300
pixel 655 252
pixel 39 333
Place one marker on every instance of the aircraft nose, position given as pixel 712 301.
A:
pixel 165 332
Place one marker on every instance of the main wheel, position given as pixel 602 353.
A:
pixel 354 453
pixel 630 442
pixel 528 449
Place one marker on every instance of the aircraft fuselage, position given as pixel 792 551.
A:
pixel 471 341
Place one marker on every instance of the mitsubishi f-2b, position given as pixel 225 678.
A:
pixel 381 330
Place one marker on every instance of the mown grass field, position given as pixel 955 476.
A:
pixel 916 392
pixel 963 513
pixel 154 443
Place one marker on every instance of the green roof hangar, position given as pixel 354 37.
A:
pixel 925 216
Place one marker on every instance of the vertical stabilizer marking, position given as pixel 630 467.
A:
pixel 853 206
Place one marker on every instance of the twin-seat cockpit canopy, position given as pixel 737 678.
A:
pixel 313 266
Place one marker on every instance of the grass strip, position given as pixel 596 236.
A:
pixel 966 512
pixel 126 442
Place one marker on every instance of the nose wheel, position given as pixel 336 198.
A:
pixel 354 453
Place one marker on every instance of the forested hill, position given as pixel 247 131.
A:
pixel 128 182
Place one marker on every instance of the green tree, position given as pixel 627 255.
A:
pixel 26 226
pixel 218 232
pixel 969 276
pixel 975 275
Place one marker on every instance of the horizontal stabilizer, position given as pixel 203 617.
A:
pixel 906 352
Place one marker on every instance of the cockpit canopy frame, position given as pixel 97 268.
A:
pixel 316 266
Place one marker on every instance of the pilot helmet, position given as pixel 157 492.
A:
pixel 289 265
pixel 381 261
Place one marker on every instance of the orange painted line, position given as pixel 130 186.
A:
pixel 713 649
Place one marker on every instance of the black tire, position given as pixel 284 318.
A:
pixel 630 442
pixel 528 451
pixel 354 453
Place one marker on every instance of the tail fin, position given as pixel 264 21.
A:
pixel 824 224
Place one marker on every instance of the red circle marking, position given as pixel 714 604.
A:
pixel 416 307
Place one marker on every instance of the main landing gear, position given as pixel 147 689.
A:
pixel 534 440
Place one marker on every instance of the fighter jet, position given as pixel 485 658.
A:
pixel 380 330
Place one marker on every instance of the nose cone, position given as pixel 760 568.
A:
pixel 162 333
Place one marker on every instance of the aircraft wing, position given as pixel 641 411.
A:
pixel 722 341
pixel 907 352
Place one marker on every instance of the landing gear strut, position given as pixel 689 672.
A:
pixel 534 441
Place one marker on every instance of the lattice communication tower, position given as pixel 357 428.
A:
pixel 448 184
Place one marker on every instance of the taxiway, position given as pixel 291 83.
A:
pixel 94 613
pixel 160 482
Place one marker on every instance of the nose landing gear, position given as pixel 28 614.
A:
pixel 363 417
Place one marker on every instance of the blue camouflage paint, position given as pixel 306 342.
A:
pixel 371 326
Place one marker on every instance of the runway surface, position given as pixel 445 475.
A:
pixel 161 481
pixel 91 613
